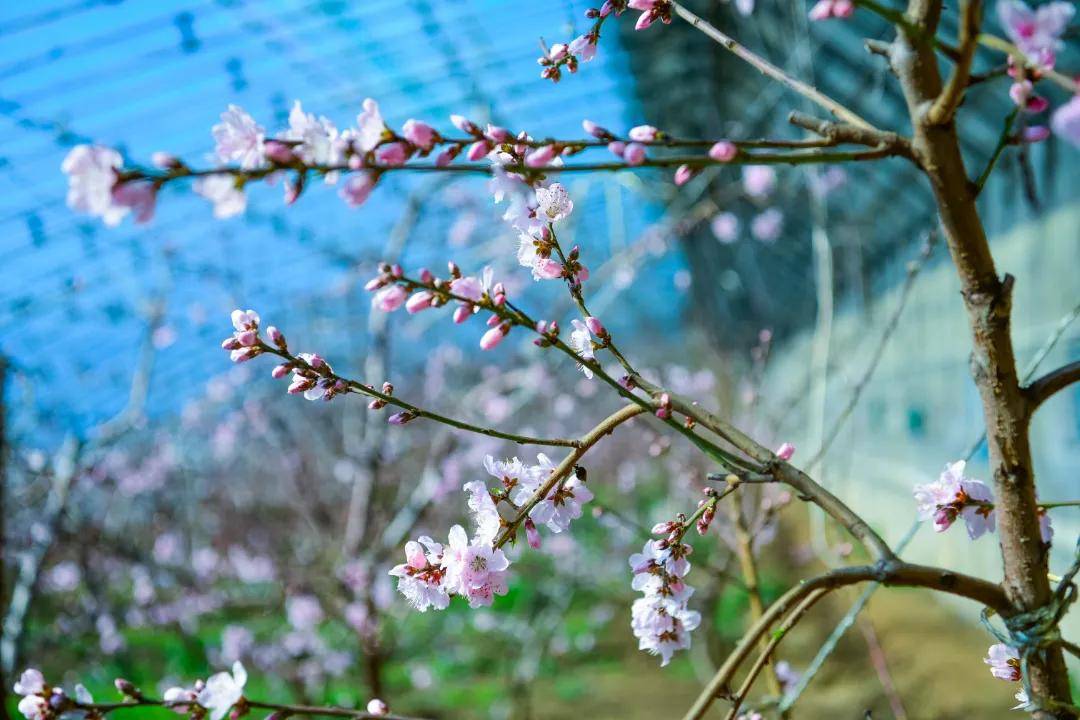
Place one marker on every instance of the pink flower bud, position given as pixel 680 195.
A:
pixel 299 385
pixel 540 156
pixel 243 354
pixel 595 326
pixel 497 134
pixel 634 154
pixel 400 418
pixel 165 161
pixel 394 154
pixel 478 150
pixel 645 20
pixel 280 371
pixel 493 320
pixel 663 413
pixel 279 152
pixel 683 174
pixel 644 133
pixel 532 534
pixel 230 343
pixel 419 134
pixel 616 148
pixel 357 188
pixel 493 337
pixel 426 276
pixel 389 298
pixel 462 313
pixel 595 130
pixel 419 301
pixel 275 335
pixel 447 156
pixel 377 707
pixel 723 151
pixel 843 9
pixel 822 10
pixel 464 124
pixel 785 451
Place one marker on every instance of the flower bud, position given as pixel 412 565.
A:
pixel 634 154
pixel 494 336
pixel 276 336
pixel 723 151
pixel 532 534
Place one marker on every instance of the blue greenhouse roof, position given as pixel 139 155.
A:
pixel 148 76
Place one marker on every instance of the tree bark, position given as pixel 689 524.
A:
pixel 988 301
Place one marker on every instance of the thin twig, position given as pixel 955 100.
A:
pixel 767 68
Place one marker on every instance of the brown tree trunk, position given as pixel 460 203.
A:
pixel 988 301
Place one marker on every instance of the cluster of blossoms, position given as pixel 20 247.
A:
pixel 580 49
pixel 433 572
pixel 536 240
pixel 476 569
pixel 1037 34
pixel 39 701
pixel 518 483
pixel 392 290
pixel 312 376
pixel 954 496
pixel 660 619
pixel 220 695
pixel 1004 662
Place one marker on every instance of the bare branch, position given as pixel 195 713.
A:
pixel 847 133
pixel 1052 382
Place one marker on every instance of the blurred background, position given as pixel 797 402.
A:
pixel 166 513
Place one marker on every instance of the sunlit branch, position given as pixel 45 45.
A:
pixel 892 572
pixel 952 95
